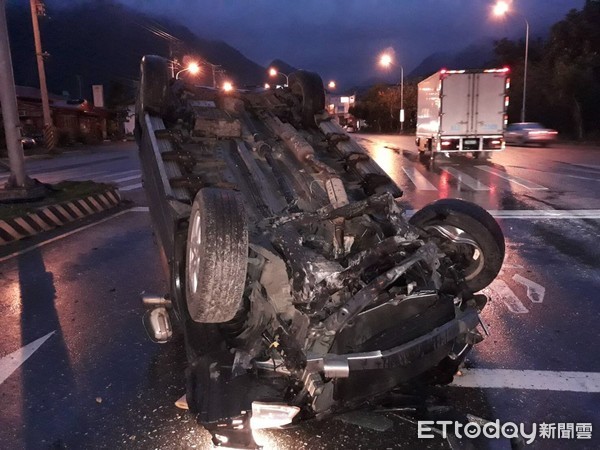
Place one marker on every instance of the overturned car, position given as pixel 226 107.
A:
pixel 300 286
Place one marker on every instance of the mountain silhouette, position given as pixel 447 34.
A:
pixel 102 42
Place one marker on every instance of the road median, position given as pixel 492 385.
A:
pixel 68 202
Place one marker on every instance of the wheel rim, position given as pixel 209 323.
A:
pixel 461 245
pixel 194 254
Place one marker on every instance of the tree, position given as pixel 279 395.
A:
pixel 563 79
pixel 573 60
pixel 380 107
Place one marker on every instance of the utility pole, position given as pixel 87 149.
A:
pixel 37 9
pixel 19 186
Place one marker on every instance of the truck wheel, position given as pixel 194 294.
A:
pixel 308 88
pixel 217 256
pixel 470 237
pixel 154 85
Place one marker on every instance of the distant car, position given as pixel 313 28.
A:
pixel 529 133
pixel 28 142
pixel 349 129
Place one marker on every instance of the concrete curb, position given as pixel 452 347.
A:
pixel 54 216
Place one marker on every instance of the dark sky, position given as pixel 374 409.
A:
pixel 341 39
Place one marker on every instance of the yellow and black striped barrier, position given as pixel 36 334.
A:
pixel 56 215
pixel 50 137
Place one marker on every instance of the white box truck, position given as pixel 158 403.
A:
pixel 462 111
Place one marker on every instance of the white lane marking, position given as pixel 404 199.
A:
pixel 140 209
pixel 581 178
pixel 467 180
pixel 513 179
pixel 546 214
pixel 539 380
pixel 71 174
pixel 12 361
pixel 62 236
pixel 591 166
pixel 131 187
pixel 86 176
pixel 508 297
pixel 529 214
pixel 418 179
pixel 120 180
pixel 535 291
pixel 120 174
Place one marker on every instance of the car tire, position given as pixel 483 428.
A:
pixel 154 85
pixel 483 262
pixel 216 256
pixel 308 88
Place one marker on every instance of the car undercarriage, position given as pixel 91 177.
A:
pixel 299 284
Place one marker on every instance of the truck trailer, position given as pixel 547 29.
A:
pixel 462 111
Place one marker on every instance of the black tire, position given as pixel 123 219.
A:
pixel 480 226
pixel 216 256
pixel 308 88
pixel 154 85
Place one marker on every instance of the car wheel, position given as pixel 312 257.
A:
pixel 308 88
pixel 154 85
pixel 217 256
pixel 468 235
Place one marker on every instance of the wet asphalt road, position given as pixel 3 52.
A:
pixel 97 382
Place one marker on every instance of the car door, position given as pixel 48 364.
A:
pixel 511 134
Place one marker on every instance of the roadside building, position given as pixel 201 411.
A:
pixel 76 120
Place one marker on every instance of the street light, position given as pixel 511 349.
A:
pixel 500 10
pixel 192 68
pixel 386 61
pixel 273 72
pixel 227 86
pixel 331 85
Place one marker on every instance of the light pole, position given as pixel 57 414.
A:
pixel 192 68
pixel 10 114
pixel 50 137
pixel 19 186
pixel 501 9
pixel 386 60
pixel 273 72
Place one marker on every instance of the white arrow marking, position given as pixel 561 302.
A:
pixel 13 361
pixel 535 292
pixel 508 297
